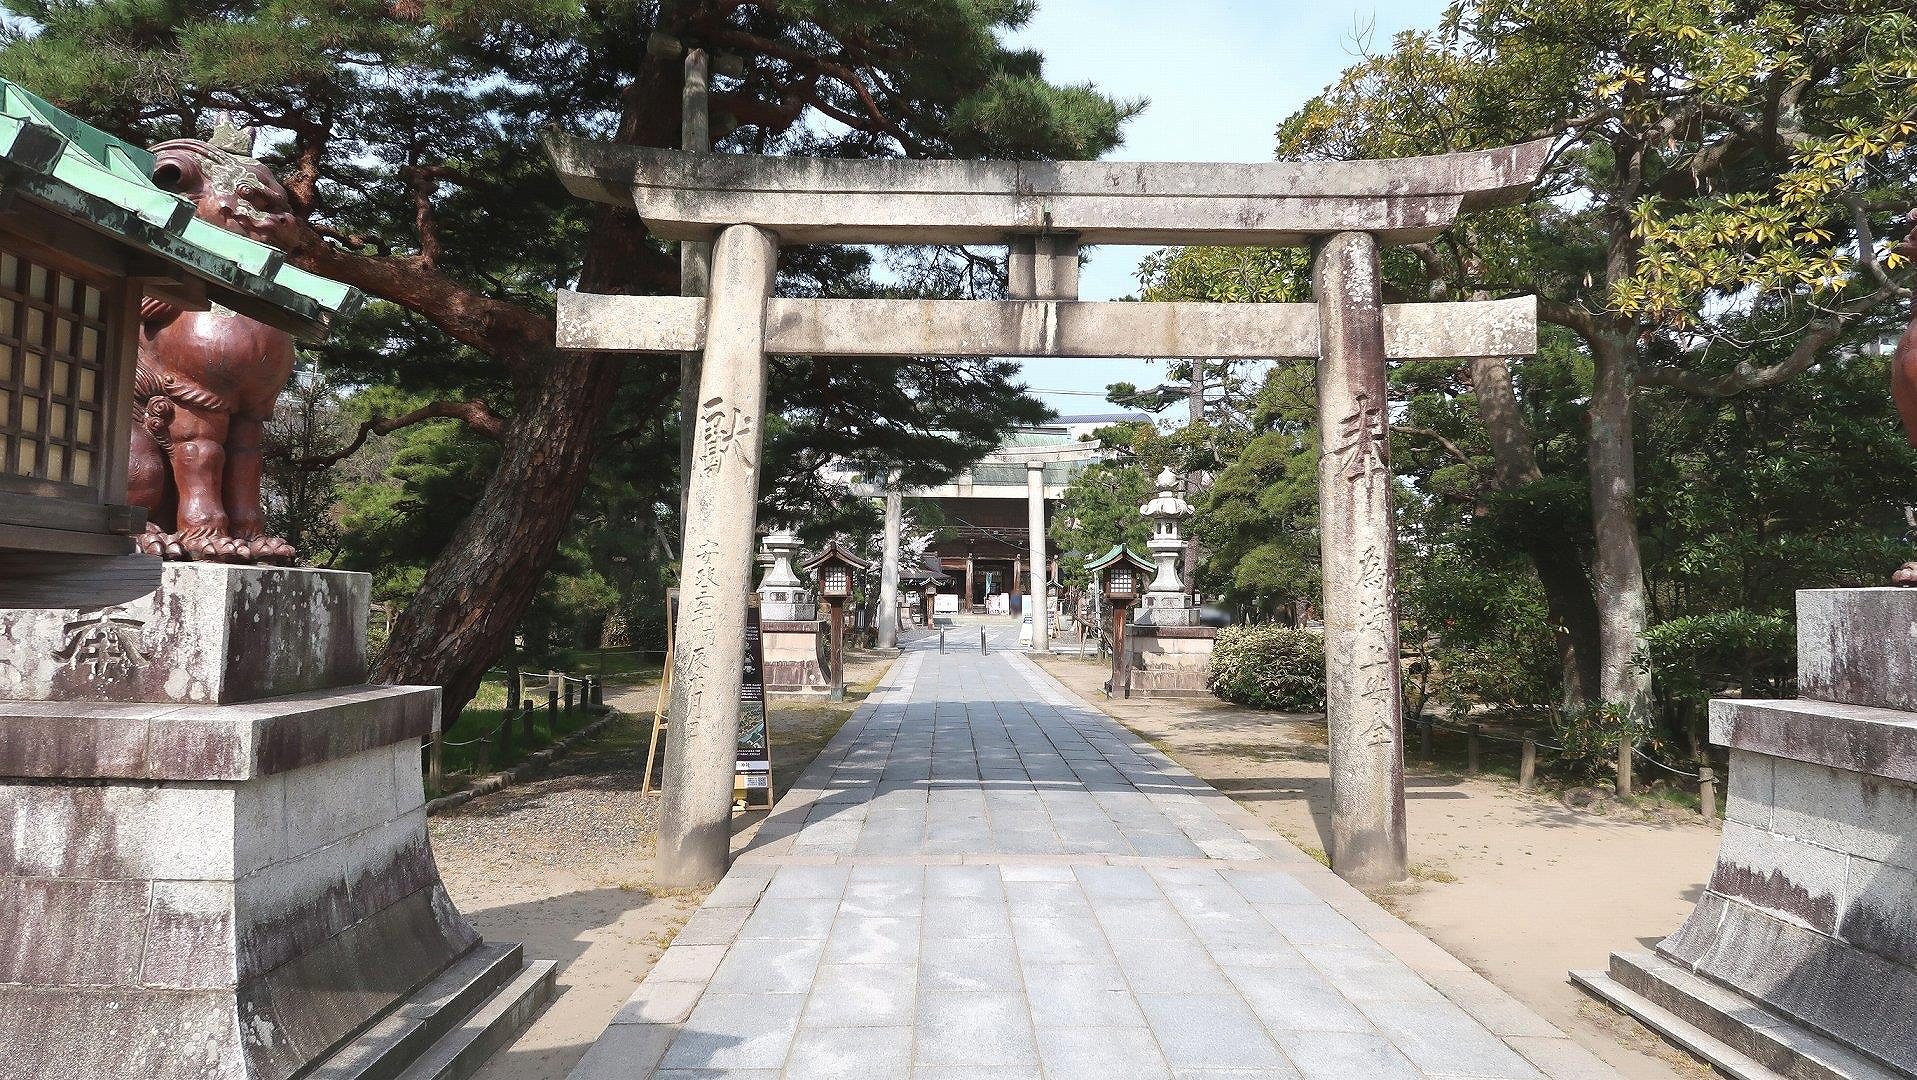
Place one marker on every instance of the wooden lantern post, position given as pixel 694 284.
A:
pixel 833 569
pixel 1118 572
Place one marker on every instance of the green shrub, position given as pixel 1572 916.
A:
pixel 1270 667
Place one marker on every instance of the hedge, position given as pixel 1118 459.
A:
pixel 1270 667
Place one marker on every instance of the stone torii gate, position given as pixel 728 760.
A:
pixel 1042 212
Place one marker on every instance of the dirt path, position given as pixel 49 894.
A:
pixel 1514 884
pixel 563 864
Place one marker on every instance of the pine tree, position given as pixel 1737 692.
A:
pixel 406 132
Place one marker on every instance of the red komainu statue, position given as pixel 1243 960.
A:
pixel 207 380
pixel 1903 383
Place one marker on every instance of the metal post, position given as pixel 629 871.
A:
pixel 888 627
pixel 695 263
pixel 981 641
pixel 1364 708
pixel 1471 750
pixel 1528 764
pixel 941 641
pixel 1035 535
pixel 709 652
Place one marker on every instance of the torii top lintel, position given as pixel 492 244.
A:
pixel 689 196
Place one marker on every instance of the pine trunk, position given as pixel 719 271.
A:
pixel 474 593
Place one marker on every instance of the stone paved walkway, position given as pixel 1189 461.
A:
pixel 980 877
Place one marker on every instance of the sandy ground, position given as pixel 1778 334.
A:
pixel 563 865
pixel 1516 885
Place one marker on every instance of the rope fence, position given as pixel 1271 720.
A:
pixel 1705 776
pixel 565 695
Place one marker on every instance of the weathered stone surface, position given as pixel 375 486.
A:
pixel 1359 555
pixel 722 506
pixel 98 740
pixel 60 1033
pixel 1807 933
pixel 210 634
pixel 71 933
pixel 1171 661
pixel 1858 646
pixel 1858 738
pixel 213 858
pixel 1085 329
pixel 810 200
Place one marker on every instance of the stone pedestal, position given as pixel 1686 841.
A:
pixel 792 655
pixel 1801 956
pixel 213 849
pixel 1170 661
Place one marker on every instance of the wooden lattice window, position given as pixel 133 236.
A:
pixel 54 341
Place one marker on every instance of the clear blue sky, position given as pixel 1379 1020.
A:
pixel 1220 74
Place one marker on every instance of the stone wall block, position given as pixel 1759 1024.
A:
pixel 323 995
pixel 260 814
pixel 294 906
pixel 1881 915
pixel 1858 646
pixel 409 777
pixel 1866 817
pixel 189 937
pixel 115 833
pixel 57 932
pixel 1747 796
pixel 1788 879
pixel 1858 738
pixel 91 1034
pixel 1854 996
pixel 335 799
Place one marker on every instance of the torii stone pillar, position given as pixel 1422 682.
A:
pixel 1035 589
pixel 1358 554
pixel 709 642
pixel 889 566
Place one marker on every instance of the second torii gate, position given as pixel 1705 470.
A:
pixel 1042 212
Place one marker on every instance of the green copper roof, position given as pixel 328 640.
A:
pixel 80 171
pixel 1118 551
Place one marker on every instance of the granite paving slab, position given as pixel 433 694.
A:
pixel 980 876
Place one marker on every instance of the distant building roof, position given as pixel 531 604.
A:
pixel 82 172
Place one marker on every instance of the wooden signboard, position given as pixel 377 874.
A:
pixel 752 771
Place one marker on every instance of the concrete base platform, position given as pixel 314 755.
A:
pixel 448 1028
pixel 1735 1035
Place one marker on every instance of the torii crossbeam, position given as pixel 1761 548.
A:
pixel 1042 212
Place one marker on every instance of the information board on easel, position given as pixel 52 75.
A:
pixel 752 769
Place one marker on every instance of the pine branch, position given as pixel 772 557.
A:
pixel 473 414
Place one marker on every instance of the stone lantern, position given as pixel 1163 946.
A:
pixel 1170 653
pixel 789 621
pixel 1166 603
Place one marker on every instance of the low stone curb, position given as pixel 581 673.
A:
pixel 534 764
